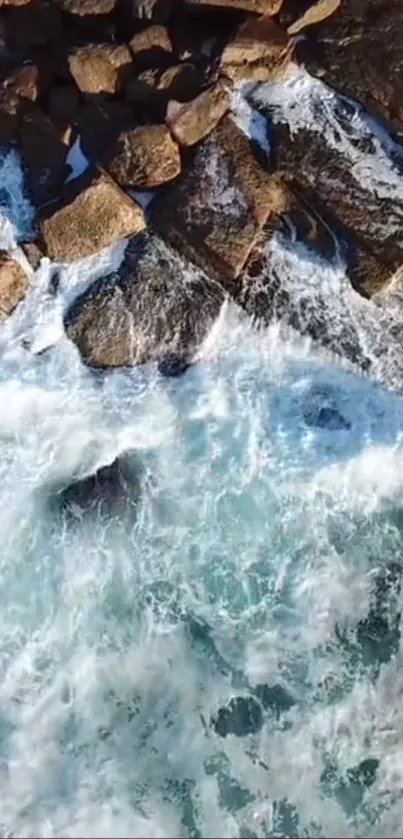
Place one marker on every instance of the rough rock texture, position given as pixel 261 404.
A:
pixel 99 68
pixel 88 7
pixel 152 47
pixel 358 50
pixel 370 226
pixel 215 213
pixel 259 51
pixel 260 7
pixel 313 14
pixel 111 490
pixel 92 214
pixel 43 154
pixel 13 284
pixel 156 306
pixel 190 122
pixel 144 158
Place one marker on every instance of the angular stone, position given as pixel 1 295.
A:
pixel 152 47
pixel 43 154
pixel 13 284
pixel 370 226
pixel 259 7
pixel 358 50
pixel 190 122
pixel 259 51
pixel 313 14
pixel 144 158
pixel 216 212
pixel 155 308
pixel 92 214
pixel 100 68
pixel 88 7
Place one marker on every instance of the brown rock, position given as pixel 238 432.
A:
pixel 13 284
pixel 313 14
pixel 152 47
pixel 16 91
pixel 144 158
pixel 88 7
pixel 24 83
pixel 43 155
pixel 216 212
pixel 351 49
pixel 99 68
pixel 260 51
pixel 156 307
pixel 32 25
pixel 182 82
pixel 259 7
pixel 92 214
pixel 370 226
pixel 192 121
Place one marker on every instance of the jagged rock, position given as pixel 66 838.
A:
pixel 315 13
pixel 43 154
pixel 358 50
pixel 242 716
pixel 100 68
pixel 92 214
pixel 111 490
pixel 156 307
pixel 144 158
pixel 32 25
pixel 192 121
pixel 216 212
pixel 259 51
pixel 370 226
pixel 152 47
pixel 13 284
pixel 260 7
pixel 88 7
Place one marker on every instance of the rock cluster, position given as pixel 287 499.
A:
pixel 146 86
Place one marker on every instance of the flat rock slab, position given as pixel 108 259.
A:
pixel 156 307
pixel 144 158
pixel 214 215
pixel 92 214
pixel 369 226
pixel 359 50
pixel 13 284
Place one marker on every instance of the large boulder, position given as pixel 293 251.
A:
pixel 190 122
pixel 43 154
pixel 260 7
pixel 359 50
pixel 369 224
pixel 155 308
pixel 13 284
pixel 214 215
pixel 100 68
pixel 259 51
pixel 92 214
pixel 144 157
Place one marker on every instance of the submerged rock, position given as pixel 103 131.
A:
pixel 92 214
pixel 155 308
pixel 242 716
pixel 111 490
pixel 13 284
pixel 216 212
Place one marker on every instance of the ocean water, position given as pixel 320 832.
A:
pixel 226 659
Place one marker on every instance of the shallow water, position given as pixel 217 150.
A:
pixel 262 560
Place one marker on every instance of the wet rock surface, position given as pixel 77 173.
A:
pixel 113 490
pixel 155 308
pixel 13 284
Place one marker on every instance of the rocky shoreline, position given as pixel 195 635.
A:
pixel 146 88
